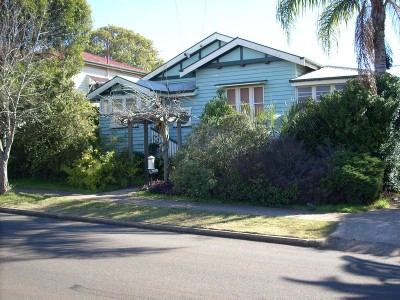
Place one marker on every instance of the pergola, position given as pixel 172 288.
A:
pixel 159 114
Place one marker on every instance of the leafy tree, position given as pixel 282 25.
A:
pixel 369 38
pixel 125 46
pixel 61 130
pixel 33 34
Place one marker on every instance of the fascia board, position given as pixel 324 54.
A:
pixel 111 67
pixel 257 47
pixel 323 81
pixel 214 37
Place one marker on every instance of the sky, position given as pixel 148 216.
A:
pixel 176 25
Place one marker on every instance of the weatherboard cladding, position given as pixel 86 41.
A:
pixel 117 137
pixel 236 65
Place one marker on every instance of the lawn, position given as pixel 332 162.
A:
pixel 279 226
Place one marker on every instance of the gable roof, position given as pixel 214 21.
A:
pixel 188 52
pixel 254 46
pixel 187 88
pixel 94 59
pixel 117 80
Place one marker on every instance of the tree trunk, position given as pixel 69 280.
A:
pixel 164 149
pixel 378 17
pixel 179 129
pixel 130 140
pixel 146 150
pixel 4 186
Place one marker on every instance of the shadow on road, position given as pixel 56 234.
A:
pixel 42 238
pixel 387 274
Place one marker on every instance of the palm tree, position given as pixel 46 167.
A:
pixel 369 38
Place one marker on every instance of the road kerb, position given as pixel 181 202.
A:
pixel 317 243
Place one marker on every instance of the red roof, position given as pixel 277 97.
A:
pixel 89 57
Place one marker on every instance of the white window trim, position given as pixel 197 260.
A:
pixel 110 100
pixel 314 89
pixel 238 102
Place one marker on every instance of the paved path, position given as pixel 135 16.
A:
pixel 125 196
pixel 375 232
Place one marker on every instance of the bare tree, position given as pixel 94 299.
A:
pixel 152 107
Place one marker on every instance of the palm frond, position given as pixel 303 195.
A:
pixel 393 9
pixel 287 12
pixel 332 18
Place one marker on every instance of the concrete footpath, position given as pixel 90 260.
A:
pixel 375 232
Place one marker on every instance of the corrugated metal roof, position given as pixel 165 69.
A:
pixel 188 86
pixel 153 85
pixel 98 79
pixel 177 87
pixel 90 57
pixel 328 72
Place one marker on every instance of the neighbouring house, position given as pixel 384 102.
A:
pixel 97 70
pixel 250 73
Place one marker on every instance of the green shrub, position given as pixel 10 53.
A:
pixel 355 120
pixel 193 179
pixel 92 171
pixel 355 178
pixel 258 191
pixel 286 165
pixel 216 109
pixel 97 170
pixel 207 155
pixel 126 170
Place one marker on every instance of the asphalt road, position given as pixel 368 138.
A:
pixel 52 259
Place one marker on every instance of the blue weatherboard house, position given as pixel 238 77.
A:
pixel 249 73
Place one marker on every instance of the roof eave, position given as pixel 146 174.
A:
pixel 137 72
pixel 254 46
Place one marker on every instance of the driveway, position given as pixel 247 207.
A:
pixel 375 232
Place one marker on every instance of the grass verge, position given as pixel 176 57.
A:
pixel 381 203
pixel 279 226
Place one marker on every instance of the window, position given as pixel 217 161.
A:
pixel 303 93
pixel 121 104
pixel 315 92
pixel 339 87
pixel 321 90
pixel 106 108
pixel 246 96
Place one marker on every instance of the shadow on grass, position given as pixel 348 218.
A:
pixel 196 219
pixel 388 276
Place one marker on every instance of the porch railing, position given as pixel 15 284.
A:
pixel 156 138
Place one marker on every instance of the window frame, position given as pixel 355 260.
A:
pixel 110 107
pixel 251 101
pixel 314 94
